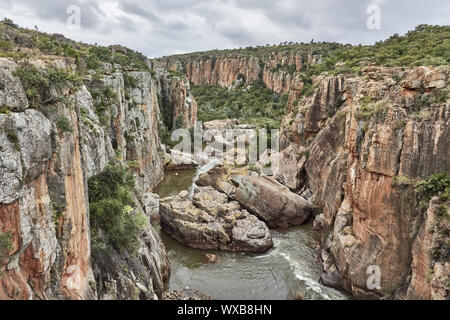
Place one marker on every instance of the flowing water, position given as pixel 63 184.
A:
pixel 290 268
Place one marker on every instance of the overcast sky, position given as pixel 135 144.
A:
pixel 163 27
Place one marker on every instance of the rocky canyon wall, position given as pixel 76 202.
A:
pixel 279 71
pixel 47 154
pixel 361 144
pixel 178 105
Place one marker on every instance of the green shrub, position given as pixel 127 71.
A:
pixel 369 109
pixel 5 109
pixel 37 82
pixel 267 165
pixel 399 181
pixel 49 46
pixel 92 63
pixel 105 184
pixel 436 185
pixel 64 125
pixel 12 137
pixel 130 81
pixel 176 73
pixel 111 95
pixel 57 212
pixel 33 81
pixel 164 135
pixel 338 103
pixel 104 120
pixel 133 164
pixel 5 46
pixel 5 245
pixel 101 53
pixel 122 59
pixel 111 202
pixel 9 22
pixel 440 96
pixel 60 78
pixel 308 88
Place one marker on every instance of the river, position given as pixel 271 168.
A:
pixel 290 268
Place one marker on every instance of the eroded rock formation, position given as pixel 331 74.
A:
pixel 271 201
pixel 360 143
pixel 45 165
pixel 178 105
pixel 211 221
pixel 279 71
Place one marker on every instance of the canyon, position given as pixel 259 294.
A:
pixel 354 150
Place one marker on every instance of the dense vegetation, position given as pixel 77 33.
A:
pixel 37 82
pixel 5 245
pixel 19 43
pixel 426 45
pixel 113 219
pixel 254 104
pixel 263 52
pixel 436 185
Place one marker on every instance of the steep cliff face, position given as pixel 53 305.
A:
pixel 132 120
pixel 178 105
pixel 362 142
pixel 280 71
pixel 223 71
pixel 429 278
pixel 47 154
pixel 50 256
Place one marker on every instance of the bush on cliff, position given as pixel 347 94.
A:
pixel 111 209
pixel 128 60
pixel 37 82
pixel 426 45
pixel 436 185
pixel 5 245
pixel 64 125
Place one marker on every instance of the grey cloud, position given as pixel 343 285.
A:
pixel 57 10
pixel 130 6
pixel 161 27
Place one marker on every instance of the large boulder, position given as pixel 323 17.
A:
pixel 25 148
pixel 271 201
pixel 210 221
pixel 12 94
pixel 217 178
pixel 150 204
pixel 290 166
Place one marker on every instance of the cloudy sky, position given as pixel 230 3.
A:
pixel 163 27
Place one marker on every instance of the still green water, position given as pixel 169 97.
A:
pixel 174 182
pixel 292 266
